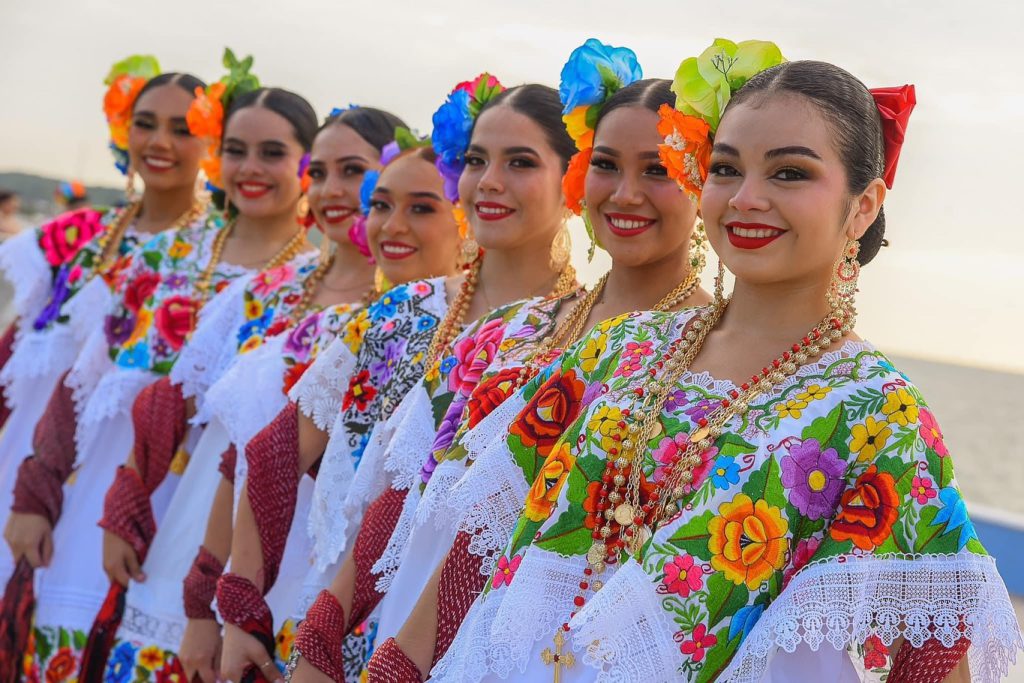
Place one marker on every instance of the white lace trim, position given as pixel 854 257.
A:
pixel 213 346
pixel 24 265
pixel 488 499
pixel 502 630
pixel 248 395
pixel 833 602
pixel 320 390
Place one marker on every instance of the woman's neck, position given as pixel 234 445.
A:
pixel 160 208
pixel 255 240
pixel 511 275
pixel 640 288
pixel 775 314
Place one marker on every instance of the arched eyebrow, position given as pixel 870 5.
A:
pixel 792 150
pixel 649 154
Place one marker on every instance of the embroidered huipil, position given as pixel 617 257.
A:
pixel 488 357
pixel 143 333
pixel 825 522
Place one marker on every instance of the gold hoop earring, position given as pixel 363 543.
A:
pixel 561 249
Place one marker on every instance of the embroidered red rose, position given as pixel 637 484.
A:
pixel 175 319
pixel 550 412
pixel 61 238
pixel 62 666
pixel 473 354
pixel 868 510
pixel 140 289
pixel 293 374
pixel 490 394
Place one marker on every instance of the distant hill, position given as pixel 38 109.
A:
pixel 37 192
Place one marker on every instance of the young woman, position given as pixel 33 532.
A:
pixel 797 489
pixel 85 250
pixel 240 319
pixel 169 281
pixel 647 224
pixel 522 172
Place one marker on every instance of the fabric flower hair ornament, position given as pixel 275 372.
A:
pixel 703 86
pixel 205 116
pixel 453 125
pixel 405 140
pixel 124 83
pixel 894 106
pixel 593 74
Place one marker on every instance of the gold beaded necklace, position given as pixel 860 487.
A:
pixel 572 327
pixel 109 242
pixel 621 520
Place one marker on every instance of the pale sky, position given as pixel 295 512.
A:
pixel 951 285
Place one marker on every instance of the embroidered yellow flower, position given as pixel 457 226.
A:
pixel 813 392
pixel 142 324
pixel 151 658
pixel 606 325
pixel 179 250
pixel 508 345
pixel 253 342
pixel 253 309
pixel 356 329
pixel 791 409
pixel 541 498
pixel 606 423
pixel 592 352
pixel 285 640
pixel 748 540
pixel 433 372
pixel 869 438
pixel 900 407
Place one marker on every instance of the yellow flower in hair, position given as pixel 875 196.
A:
pixel 576 125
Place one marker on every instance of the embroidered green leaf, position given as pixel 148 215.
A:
pixel 733 445
pixel 693 536
pixel 725 598
pixel 823 428
pixel 152 259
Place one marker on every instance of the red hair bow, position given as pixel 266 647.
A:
pixel 895 105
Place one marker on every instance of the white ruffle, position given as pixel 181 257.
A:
pixel 320 390
pixel 24 265
pixel 488 499
pixel 625 633
pixel 213 345
pixel 502 629
pixel 248 395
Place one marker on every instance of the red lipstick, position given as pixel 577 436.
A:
pixel 752 235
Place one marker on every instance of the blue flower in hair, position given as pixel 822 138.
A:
pixel 120 158
pixel 370 179
pixel 453 123
pixel 341 110
pixel 594 71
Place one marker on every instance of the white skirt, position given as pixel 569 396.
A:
pixel 154 610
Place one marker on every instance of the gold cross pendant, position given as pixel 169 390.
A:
pixel 557 658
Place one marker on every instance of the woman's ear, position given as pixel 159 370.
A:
pixel 865 209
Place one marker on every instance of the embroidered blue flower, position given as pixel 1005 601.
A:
pixel 594 71
pixel 135 356
pixel 387 305
pixel 447 364
pixel 954 516
pixel 122 664
pixel 425 323
pixel 726 472
pixel 58 296
pixel 357 452
pixel 743 621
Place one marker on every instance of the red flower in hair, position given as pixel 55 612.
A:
pixel 894 105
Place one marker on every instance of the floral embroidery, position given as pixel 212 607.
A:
pixel 683 576
pixel 748 540
pixel 505 571
pixel 869 438
pixel 900 407
pixel 869 509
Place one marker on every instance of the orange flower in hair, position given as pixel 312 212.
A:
pixel 117 106
pixel 205 115
pixel 686 152
pixel 574 179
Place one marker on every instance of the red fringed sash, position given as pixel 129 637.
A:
pixel 321 634
pixel 200 585
pixel 459 584
pixel 379 523
pixel 930 663
pixel 241 604
pixel 390 665
pixel 160 419
pixel 36 491
pixel 6 349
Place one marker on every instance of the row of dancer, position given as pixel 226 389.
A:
pixel 509 475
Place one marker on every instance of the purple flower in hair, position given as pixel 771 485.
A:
pixel 389 152
pixel 303 164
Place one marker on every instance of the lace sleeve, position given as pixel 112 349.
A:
pixel 320 390
pixel 212 347
pixel 25 267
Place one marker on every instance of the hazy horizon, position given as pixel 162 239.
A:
pixel 944 290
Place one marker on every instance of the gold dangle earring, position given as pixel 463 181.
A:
pixel 130 192
pixel 469 249
pixel 590 231
pixel 380 281
pixel 698 247
pixel 843 287
pixel 561 249
pixel 302 212
pixel 720 284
